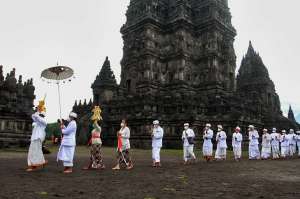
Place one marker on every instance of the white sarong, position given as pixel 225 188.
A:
pixel 35 154
pixel 66 155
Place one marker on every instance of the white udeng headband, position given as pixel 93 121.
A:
pixel 156 122
pixel 72 114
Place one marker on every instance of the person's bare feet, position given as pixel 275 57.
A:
pixel 68 170
pixel 117 167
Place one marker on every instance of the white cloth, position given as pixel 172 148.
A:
pixel 293 143
pixel 189 133
pixel 221 146
pixel 69 134
pixel 35 154
pixel 66 155
pixel 39 126
pixel 67 147
pixel 285 146
pixel 188 149
pixel 156 154
pixel 188 153
pixel 298 143
pixel 207 144
pixel 275 139
pixel 237 139
pixel 125 134
pixel 253 145
pixel 266 146
pixel 158 134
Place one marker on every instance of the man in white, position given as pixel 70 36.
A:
pixel 292 142
pixel 285 145
pixel 222 145
pixel 275 139
pixel 266 145
pixel 207 143
pixel 298 142
pixel 157 137
pixel 237 139
pixel 68 143
pixel 254 153
pixel 188 137
pixel 35 155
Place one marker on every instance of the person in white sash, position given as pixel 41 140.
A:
pixel 275 139
pixel 292 142
pixel 188 137
pixel 157 137
pixel 266 145
pixel 298 142
pixel 68 143
pixel 35 157
pixel 254 153
pixel 207 149
pixel 222 145
pixel 285 145
pixel 237 139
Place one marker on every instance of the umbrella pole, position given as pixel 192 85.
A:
pixel 59 99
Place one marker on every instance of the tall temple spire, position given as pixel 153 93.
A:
pixel 251 51
pixel 106 76
pixel 291 115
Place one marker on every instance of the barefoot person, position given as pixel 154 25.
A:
pixel 157 137
pixel 96 160
pixel 285 145
pixel 275 140
pixel 35 155
pixel 123 156
pixel 188 137
pixel 237 139
pixel 68 143
pixel 222 145
pixel 292 142
pixel 266 145
pixel 207 148
pixel 254 153
pixel 298 142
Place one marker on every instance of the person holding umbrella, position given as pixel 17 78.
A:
pixel 68 143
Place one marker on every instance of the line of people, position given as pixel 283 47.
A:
pixel 274 145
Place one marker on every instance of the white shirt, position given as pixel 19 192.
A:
pixel 69 134
pixel 292 138
pixel 125 134
pixel 237 139
pixel 266 140
pixel 185 134
pixel 221 139
pixel 158 134
pixel 275 138
pixel 253 137
pixel 39 126
pixel 284 140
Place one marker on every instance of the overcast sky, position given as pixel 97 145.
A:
pixel 35 34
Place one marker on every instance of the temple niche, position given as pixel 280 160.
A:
pixel 179 66
pixel 16 107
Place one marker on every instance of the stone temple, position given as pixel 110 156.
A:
pixel 16 107
pixel 179 65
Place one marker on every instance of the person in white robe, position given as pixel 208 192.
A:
pixel 35 157
pixel 285 145
pixel 298 142
pixel 237 139
pixel 292 142
pixel 157 138
pixel 275 142
pixel 188 137
pixel 266 145
pixel 254 153
pixel 68 143
pixel 221 144
pixel 207 148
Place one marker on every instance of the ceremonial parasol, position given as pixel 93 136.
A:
pixel 57 75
